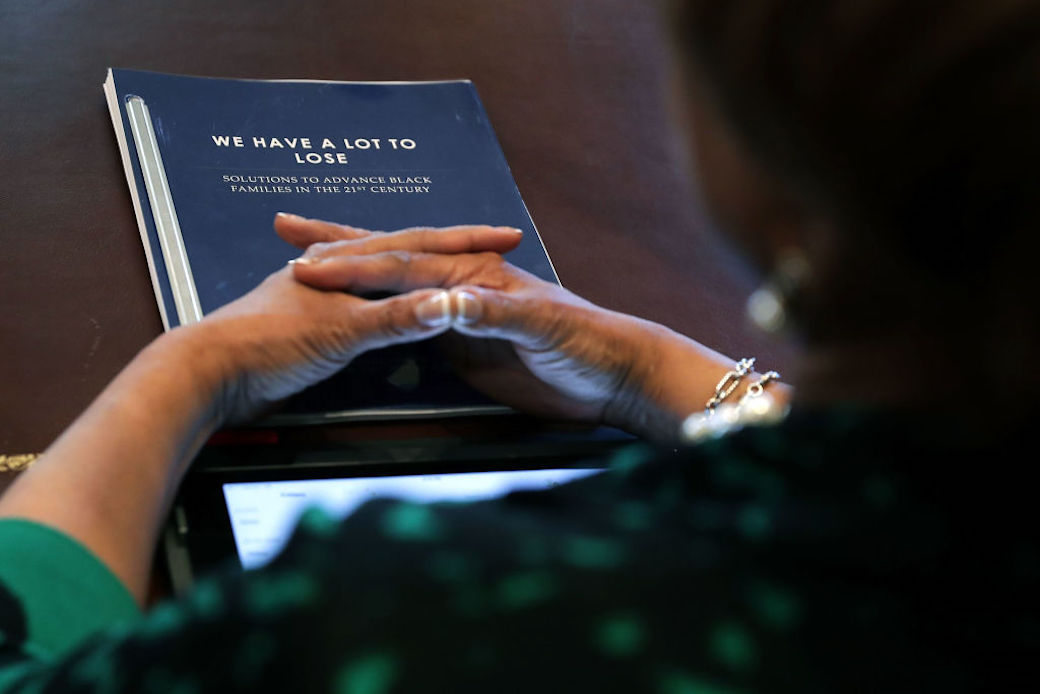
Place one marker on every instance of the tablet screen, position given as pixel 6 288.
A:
pixel 263 514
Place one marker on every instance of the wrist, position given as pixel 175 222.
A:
pixel 669 377
pixel 191 367
pixel 634 406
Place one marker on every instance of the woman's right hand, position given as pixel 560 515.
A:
pixel 528 343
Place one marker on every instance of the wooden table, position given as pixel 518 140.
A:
pixel 577 90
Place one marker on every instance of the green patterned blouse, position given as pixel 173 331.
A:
pixel 835 552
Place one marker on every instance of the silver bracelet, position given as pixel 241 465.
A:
pixel 729 383
pixel 754 407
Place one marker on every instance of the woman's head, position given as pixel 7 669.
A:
pixel 896 143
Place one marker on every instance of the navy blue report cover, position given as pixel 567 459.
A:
pixel 210 161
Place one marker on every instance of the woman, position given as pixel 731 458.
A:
pixel 877 161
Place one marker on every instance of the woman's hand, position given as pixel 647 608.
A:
pixel 528 343
pixel 284 336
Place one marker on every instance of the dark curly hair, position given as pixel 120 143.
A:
pixel 916 121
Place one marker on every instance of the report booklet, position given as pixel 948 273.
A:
pixel 210 161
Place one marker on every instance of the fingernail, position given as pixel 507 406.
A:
pixel 467 308
pixel 435 311
pixel 288 215
pixel 514 230
pixel 305 260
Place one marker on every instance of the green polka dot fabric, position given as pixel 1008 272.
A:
pixel 836 552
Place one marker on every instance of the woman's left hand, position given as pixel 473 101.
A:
pixel 109 479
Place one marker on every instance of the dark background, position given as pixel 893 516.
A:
pixel 577 90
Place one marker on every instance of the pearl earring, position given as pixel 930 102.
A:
pixel 767 307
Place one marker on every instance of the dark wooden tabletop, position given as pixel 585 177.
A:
pixel 577 90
